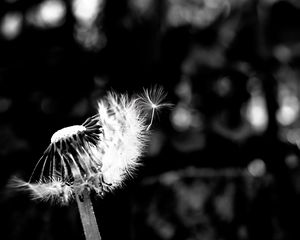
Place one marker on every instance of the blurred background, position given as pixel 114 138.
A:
pixel 223 163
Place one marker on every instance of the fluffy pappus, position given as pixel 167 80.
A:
pixel 152 100
pixel 124 136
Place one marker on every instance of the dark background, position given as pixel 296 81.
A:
pixel 223 163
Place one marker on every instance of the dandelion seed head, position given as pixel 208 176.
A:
pixel 97 155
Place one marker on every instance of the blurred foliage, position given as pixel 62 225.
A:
pixel 206 204
pixel 231 69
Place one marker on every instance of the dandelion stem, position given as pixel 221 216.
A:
pixel 87 216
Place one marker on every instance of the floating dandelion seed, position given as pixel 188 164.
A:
pixel 153 100
pixel 95 156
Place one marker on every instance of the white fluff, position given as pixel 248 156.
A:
pixel 124 137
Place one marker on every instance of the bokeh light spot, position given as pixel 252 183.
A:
pixel 141 7
pixel 282 53
pixel 196 13
pixel 292 161
pixel 181 118
pixel 11 25
pixel 293 136
pixel 289 107
pixel 86 11
pixel 223 87
pixel 256 112
pixel 90 37
pixel 50 13
pixel 257 168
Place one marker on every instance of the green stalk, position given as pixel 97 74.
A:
pixel 87 216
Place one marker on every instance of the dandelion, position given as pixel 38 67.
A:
pixel 95 156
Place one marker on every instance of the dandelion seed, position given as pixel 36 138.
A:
pixel 152 101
